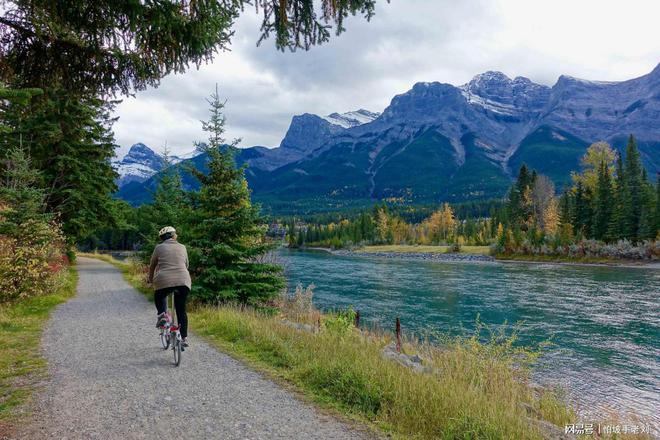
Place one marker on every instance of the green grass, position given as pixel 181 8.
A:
pixel 412 249
pixel 21 366
pixel 564 259
pixel 472 390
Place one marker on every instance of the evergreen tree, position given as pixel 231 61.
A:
pixel 565 214
pixel 615 228
pixel 647 229
pixel 21 202
pixel 582 212
pixel 228 235
pixel 632 192
pixel 657 205
pixel 520 209
pixel 71 144
pixel 603 203
pixel 98 46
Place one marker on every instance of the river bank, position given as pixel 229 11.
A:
pixel 474 254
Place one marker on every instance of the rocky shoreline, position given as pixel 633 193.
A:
pixel 477 258
pixel 423 256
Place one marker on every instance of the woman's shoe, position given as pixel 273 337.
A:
pixel 162 320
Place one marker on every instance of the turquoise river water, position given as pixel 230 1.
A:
pixel 604 322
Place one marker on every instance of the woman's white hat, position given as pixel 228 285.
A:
pixel 165 230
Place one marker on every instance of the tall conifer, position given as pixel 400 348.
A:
pixel 228 235
pixel 632 192
pixel 615 228
pixel 603 203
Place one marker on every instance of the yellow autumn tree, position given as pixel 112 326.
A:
pixel 441 224
pixel 551 217
pixel 596 154
pixel 382 224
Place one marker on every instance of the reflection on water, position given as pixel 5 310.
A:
pixel 604 321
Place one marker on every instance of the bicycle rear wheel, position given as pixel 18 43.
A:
pixel 165 339
pixel 176 347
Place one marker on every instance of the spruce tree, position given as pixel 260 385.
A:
pixel 647 229
pixel 657 206
pixel 99 46
pixel 582 212
pixel 565 214
pixel 519 206
pixel 603 203
pixel 71 144
pixel 632 192
pixel 615 228
pixel 228 235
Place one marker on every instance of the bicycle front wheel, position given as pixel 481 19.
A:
pixel 176 347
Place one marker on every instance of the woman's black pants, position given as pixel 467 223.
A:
pixel 180 295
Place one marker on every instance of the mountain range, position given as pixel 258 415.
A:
pixel 440 142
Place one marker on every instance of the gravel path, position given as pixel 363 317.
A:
pixel 111 380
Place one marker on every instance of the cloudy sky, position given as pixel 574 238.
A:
pixel 406 42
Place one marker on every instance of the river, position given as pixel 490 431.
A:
pixel 604 322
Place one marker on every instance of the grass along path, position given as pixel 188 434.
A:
pixel 21 365
pixel 474 390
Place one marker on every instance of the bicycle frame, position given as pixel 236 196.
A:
pixel 170 334
pixel 176 334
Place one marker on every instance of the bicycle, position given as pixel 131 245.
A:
pixel 170 335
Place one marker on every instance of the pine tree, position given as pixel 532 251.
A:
pixel 615 228
pixel 71 144
pixel 647 229
pixel 228 235
pixel 565 214
pixel 582 212
pixel 632 192
pixel 21 202
pixel 603 203
pixel 103 47
pixel 657 206
pixel 520 209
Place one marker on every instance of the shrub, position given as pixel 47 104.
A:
pixel 341 322
pixel 30 261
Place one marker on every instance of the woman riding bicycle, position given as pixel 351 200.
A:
pixel 169 262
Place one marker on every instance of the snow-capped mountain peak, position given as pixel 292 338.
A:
pixel 351 119
pixel 498 93
pixel 141 162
